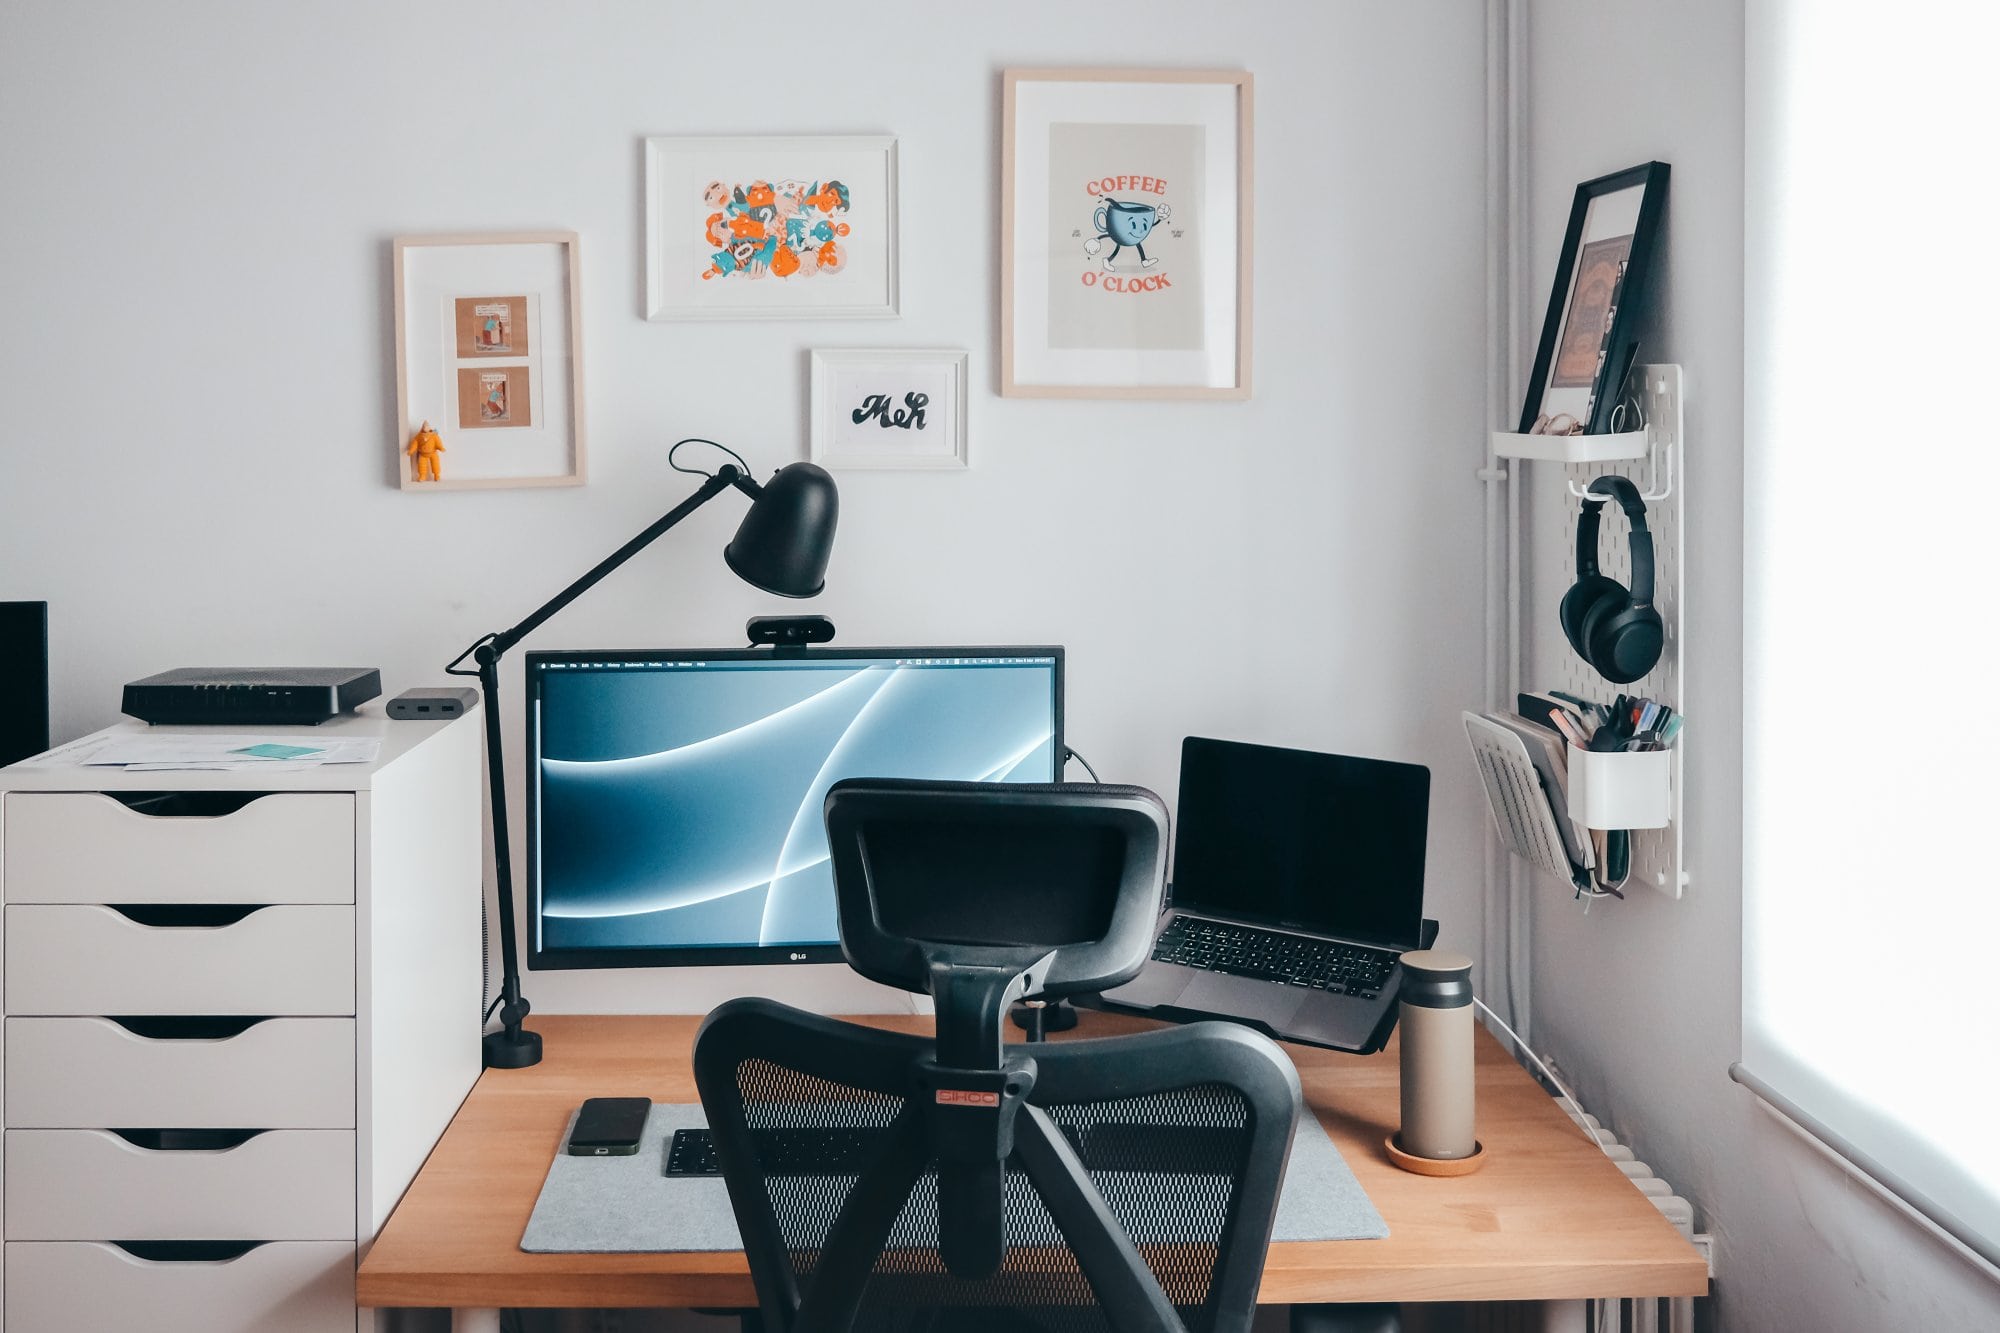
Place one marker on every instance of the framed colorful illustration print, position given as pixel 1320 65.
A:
pixel 1125 217
pixel 489 378
pixel 771 228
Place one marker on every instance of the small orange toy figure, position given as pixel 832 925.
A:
pixel 425 446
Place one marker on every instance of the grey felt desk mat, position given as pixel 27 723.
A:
pixel 625 1205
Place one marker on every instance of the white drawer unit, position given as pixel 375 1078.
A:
pixel 282 1073
pixel 96 1287
pixel 90 847
pixel 238 1013
pixel 93 1184
pixel 180 959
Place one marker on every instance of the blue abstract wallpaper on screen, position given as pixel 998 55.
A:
pixel 679 805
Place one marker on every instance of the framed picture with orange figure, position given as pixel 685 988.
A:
pixel 489 361
pixel 771 228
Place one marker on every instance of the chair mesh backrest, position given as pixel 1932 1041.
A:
pixel 1175 1218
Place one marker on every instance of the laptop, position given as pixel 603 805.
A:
pixel 1298 880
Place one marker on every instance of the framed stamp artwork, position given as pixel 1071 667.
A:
pixel 771 228
pixel 888 409
pixel 489 363
pixel 1126 233
pixel 1590 333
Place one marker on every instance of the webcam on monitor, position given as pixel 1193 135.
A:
pixel 789 631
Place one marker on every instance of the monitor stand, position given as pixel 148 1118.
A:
pixel 1040 1017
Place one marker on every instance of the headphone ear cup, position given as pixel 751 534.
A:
pixel 1586 593
pixel 1625 641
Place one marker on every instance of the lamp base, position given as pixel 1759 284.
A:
pixel 512 1050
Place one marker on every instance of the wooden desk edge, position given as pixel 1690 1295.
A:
pixel 400 1273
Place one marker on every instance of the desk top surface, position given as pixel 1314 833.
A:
pixel 1548 1217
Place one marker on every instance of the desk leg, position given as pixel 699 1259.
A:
pixel 475 1321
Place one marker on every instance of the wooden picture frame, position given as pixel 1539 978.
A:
pixel 489 355
pixel 1078 321
pixel 772 227
pixel 1590 333
pixel 899 409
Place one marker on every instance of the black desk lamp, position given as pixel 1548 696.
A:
pixel 781 546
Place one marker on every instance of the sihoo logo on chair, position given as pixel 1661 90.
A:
pixel 966 1097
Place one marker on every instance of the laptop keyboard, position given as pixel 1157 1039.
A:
pixel 1275 955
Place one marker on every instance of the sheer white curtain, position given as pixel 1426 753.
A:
pixel 1872 635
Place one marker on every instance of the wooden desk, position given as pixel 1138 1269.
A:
pixel 1548 1218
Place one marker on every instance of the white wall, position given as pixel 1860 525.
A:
pixel 1640 1000
pixel 197 391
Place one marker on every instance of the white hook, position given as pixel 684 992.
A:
pixel 1661 459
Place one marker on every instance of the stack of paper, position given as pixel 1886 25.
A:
pixel 151 752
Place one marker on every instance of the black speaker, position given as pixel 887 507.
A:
pixel 24 680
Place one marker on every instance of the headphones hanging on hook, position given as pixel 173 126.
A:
pixel 1616 630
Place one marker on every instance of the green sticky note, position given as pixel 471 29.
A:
pixel 268 750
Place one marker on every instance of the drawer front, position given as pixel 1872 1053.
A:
pixel 80 1287
pixel 286 960
pixel 92 1073
pixel 85 847
pixel 91 1184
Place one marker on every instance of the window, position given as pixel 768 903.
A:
pixel 1872 554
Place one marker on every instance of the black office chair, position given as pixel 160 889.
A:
pixel 890 1182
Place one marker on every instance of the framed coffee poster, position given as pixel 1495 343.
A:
pixel 1125 213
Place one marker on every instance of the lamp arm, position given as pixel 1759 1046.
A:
pixel 502 640
pixel 511 1047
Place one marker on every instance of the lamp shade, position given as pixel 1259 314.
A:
pixel 783 543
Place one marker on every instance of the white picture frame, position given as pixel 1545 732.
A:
pixel 901 409
pixel 521 290
pixel 772 227
pixel 1098 160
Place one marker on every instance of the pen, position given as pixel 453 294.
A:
pixel 1570 730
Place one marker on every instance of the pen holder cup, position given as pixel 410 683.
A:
pixel 1621 789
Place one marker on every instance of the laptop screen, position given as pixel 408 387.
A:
pixel 1324 843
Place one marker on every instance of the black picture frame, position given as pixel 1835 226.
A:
pixel 1627 296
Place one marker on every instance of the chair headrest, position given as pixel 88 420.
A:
pixel 997 874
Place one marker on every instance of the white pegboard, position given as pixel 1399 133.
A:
pixel 1661 477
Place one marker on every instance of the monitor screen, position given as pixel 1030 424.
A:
pixel 675 798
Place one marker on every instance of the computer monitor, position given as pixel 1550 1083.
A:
pixel 675 798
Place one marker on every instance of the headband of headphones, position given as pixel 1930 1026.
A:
pixel 1627 495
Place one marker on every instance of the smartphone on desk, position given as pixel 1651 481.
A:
pixel 609 1127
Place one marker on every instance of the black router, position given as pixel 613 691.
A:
pixel 252 696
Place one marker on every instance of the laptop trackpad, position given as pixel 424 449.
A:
pixel 1266 1002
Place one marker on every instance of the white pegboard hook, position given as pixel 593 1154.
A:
pixel 1661 418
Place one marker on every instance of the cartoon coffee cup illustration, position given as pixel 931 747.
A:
pixel 1124 224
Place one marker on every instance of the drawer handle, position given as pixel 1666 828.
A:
pixel 185 804
pixel 185 916
pixel 185 1029
pixel 187 1140
pixel 187 1251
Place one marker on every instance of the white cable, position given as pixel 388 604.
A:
pixel 1528 1051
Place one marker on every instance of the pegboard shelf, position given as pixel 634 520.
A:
pixel 1651 808
pixel 1629 444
